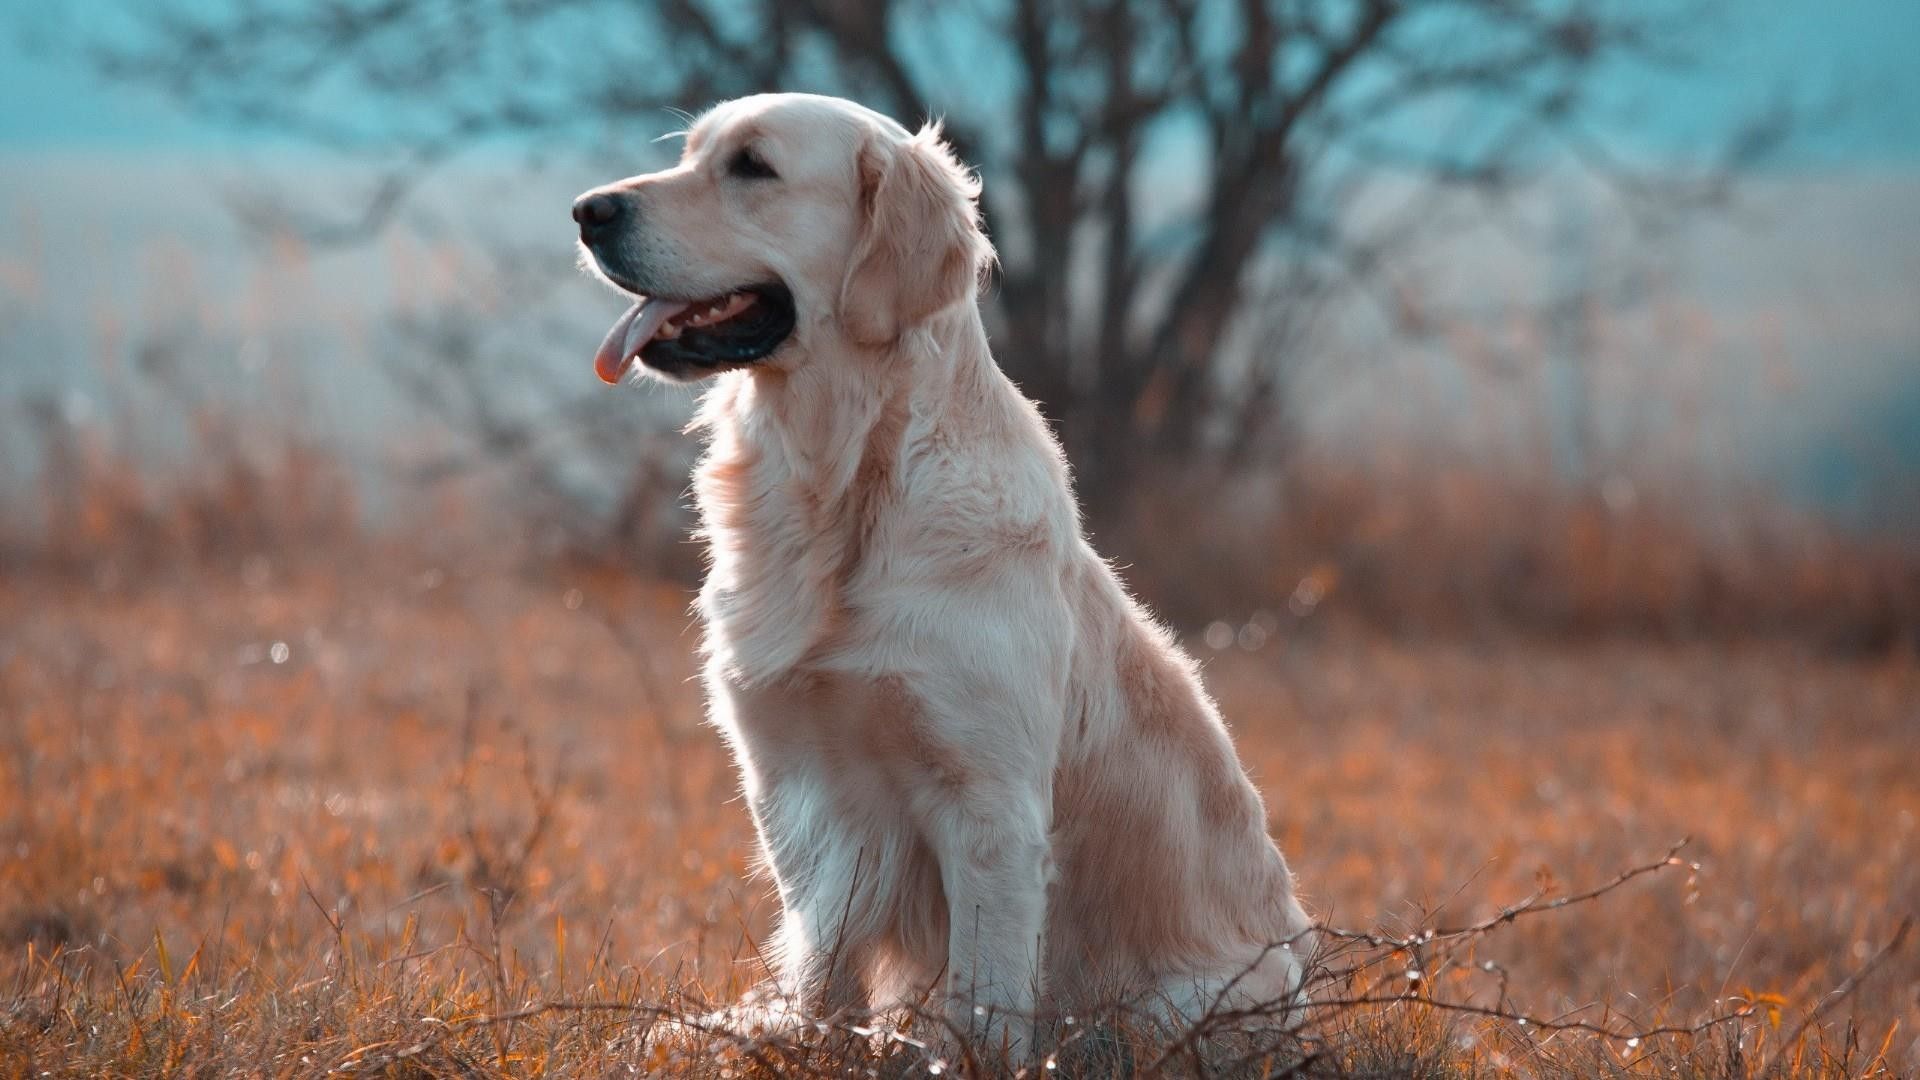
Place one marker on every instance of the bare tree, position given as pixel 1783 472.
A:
pixel 1172 183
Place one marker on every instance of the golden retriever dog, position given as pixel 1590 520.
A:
pixel 976 766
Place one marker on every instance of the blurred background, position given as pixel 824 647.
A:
pixel 1514 403
pixel 1580 315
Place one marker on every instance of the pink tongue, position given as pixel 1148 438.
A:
pixel 630 334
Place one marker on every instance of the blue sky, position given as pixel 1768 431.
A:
pixel 1851 61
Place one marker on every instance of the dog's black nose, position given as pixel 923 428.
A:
pixel 595 211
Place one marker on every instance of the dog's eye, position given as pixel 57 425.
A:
pixel 751 166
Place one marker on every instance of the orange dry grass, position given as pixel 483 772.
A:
pixel 448 793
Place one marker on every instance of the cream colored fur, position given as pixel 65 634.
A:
pixel 975 764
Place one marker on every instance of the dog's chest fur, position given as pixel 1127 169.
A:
pixel 837 517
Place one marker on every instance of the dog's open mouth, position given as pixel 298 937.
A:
pixel 697 337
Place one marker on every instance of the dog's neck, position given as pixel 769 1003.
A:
pixel 801 465
pixel 816 423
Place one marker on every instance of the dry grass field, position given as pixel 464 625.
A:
pixel 377 814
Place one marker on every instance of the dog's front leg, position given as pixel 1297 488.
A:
pixel 990 838
pixel 820 969
pixel 984 736
pixel 828 881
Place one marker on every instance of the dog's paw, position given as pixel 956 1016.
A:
pixel 761 1012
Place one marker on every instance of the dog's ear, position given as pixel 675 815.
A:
pixel 920 248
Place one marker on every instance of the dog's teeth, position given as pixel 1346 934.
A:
pixel 716 311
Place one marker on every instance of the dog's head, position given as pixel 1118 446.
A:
pixel 794 227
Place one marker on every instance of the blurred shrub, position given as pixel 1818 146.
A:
pixel 241 494
pixel 1435 548
pixel 1410 545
